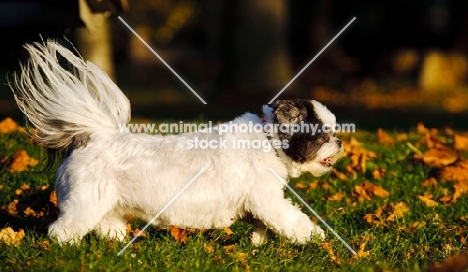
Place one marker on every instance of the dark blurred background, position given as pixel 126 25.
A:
pixel 399 63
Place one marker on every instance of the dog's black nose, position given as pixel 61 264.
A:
pixel 339 143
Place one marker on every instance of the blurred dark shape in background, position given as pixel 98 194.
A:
pixel 399 63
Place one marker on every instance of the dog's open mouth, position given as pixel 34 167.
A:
pixel 328 162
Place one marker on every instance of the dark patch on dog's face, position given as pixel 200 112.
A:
pixel 303 145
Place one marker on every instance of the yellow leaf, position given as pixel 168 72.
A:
pixel 460 142
pixel 208 248
pixel 301 186
pixel 336 197
pixel 21 161
pixel 438 157
pixel 8 125
pixel 384 137
pixel 10 237
pixel 430 182
pixel 427 200
pixel 228 231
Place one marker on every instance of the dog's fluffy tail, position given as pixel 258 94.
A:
pixel 66 98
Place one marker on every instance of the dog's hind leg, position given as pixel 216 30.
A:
pixel 83 202
pixel 281 216
pixel 112 226
pixel 261 234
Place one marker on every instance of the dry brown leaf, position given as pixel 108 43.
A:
pixel 228 231
pixel 313 185
pixel 428 201
pixel 336 197
pixel 53 198
pixel 7 125
pixel 421 129
pixel 29 211
pixel 375 189
pixel 438 157
pixel 457 171
pixel 230 248
pixel 209 249
pixel 360 193
pixel 454 263
pixel 301 186
pixel 402 137
pixel 331 253
pixel 136 231
pixel 12 208
pixel 400 209
pixel 384 137
pixel 339 175
pixel 20 161
pixel 430 182
pixel 460 142
pixel 180 235
pixel 10 237
pixel 446 198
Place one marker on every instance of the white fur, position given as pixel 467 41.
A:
pixel 116 173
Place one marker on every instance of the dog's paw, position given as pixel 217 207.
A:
pixel 259 238
pixel 318 233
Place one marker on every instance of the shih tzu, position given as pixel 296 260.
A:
pixel 105 174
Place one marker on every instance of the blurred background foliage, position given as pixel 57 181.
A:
pixel 399 63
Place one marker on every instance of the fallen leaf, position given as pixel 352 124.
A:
pixel 301 186
pixel 29 211
pixel 457 171
pixel 336 197
pixel 180 235
pixel 375 190
pixel 460 142
pixel 10 237
pixel 384 138
pixel 331 253
pixel 430 182
pixel 20 161
pixel 400 209
pixel 428 201
pixel 360 193
pixel 208 248
pixel 421 129
pixel 437 157
pixel 402 137
pixel 339 175
pixel 228 231
pixel 53 198
pixel 7 125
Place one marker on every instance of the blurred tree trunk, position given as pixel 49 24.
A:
pixel 94 42
pixel 259 57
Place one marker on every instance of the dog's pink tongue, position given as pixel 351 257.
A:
pixel 327 161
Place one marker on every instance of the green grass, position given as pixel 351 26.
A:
pixel 394 246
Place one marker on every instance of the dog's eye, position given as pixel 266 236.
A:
pixel 325 137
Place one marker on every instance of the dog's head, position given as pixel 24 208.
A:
pixel 306 129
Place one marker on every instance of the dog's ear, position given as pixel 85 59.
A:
pixel 290 111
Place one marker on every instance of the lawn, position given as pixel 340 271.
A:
pixel 398 198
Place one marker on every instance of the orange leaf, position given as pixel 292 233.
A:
pixel 8 125
pixel 360 193
pixel 375 190
pixel 336 197
pixel 208 248
pixel 437 157
pixel 457 171
pixel 421 129
pixel 180 235
pixel 228 231
pixel 301 186
pixel 460 142
pixel 430 182
pixel 21 161
pixel 53 198
pixel 384 137
pixel 10 237
pixel 428 201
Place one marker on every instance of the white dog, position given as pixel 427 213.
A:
pixel 106 174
